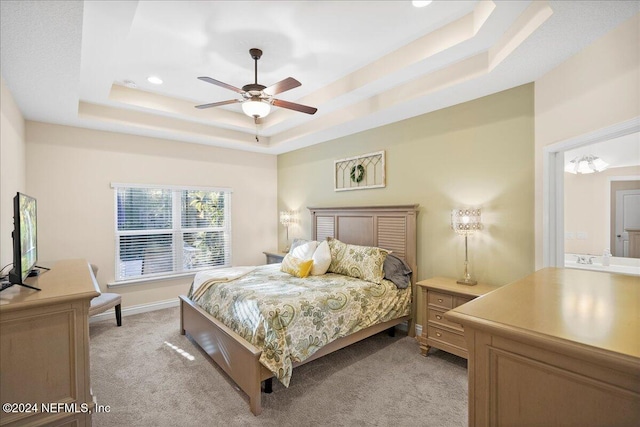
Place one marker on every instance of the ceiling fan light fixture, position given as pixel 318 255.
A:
pixel 256 98
pixel 256 109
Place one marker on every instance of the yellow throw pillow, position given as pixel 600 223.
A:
pixel 296 266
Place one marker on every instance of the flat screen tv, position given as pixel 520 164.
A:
pixel 25 239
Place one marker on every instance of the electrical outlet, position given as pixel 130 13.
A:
pixel 582 235
pixel 569 235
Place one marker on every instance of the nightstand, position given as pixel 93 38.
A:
pixel 439 295
pixel 274 257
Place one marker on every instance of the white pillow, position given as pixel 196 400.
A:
pixel 305 251
pixel 321 259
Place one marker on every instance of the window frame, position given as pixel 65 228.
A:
pixel 177 231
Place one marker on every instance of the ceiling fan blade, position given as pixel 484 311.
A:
pixel 221 84
pixel 294 106
pixel 217 104
pixel 281 86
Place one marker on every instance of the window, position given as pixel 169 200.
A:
pixel 163 231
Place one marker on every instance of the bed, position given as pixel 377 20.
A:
pixel 389 227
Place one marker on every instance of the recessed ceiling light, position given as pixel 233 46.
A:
pixel 155 80
pixel 421 3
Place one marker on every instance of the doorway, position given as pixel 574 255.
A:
pixel 553 186
pixel 627 217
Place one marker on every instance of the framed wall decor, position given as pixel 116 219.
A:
pixel 360 172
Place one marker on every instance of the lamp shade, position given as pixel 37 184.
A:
pixel 256 109
pixel 286 218
pixel 465 221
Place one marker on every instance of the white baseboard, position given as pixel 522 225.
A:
pixel 136 309
pixel 404 326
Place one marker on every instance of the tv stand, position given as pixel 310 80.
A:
pixel 44 347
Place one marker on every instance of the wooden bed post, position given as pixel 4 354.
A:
pixel 255 392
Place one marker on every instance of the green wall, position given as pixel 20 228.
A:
pixel 476 154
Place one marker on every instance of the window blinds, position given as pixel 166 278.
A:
pixel 164 231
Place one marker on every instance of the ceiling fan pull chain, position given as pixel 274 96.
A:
pixel 256 122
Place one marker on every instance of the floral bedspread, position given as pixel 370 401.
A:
pixel 291 318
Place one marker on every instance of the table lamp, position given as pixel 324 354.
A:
pixel 466 222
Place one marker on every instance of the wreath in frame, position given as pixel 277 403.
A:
pixel 357 173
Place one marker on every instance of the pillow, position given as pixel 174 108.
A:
pixel 321 259
pixel 296 266
pixel 304 251
pixel 297 242
pixel 396 270
pixel 361 262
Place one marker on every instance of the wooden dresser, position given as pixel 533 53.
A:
pixel 439 295
pixel 44 348
pixel 560 347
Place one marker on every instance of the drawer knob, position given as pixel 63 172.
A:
pixel 438 334
pixel 440 300
pixel 438 317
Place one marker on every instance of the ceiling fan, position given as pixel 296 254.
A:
pixel 256 98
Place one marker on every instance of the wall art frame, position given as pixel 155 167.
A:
pixel 360 172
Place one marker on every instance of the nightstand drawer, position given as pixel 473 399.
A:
pixel 440 300
pixel 437 316
pixel 457 301
pixel 441 334
pixel 438 296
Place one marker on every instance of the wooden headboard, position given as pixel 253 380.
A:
pixel 388 227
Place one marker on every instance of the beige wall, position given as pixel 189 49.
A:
pixel 12 168
pixel 70 171
pixel 477 154
pixel 587 209
pixel 597 88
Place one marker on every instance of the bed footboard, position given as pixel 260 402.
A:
pixel 238 358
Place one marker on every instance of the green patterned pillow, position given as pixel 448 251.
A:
pixel 361 262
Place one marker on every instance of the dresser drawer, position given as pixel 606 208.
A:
pixel 440 300
pixel 446 336
pixel 437 316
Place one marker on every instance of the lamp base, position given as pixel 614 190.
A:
pixel 467 282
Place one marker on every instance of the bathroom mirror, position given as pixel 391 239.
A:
pixel 602 208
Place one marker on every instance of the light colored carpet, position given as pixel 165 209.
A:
pixel 150 375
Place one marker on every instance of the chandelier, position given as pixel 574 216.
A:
pixel 586 164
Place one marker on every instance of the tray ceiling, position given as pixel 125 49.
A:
pixel 362 64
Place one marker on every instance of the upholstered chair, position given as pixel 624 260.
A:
pixel 105 300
